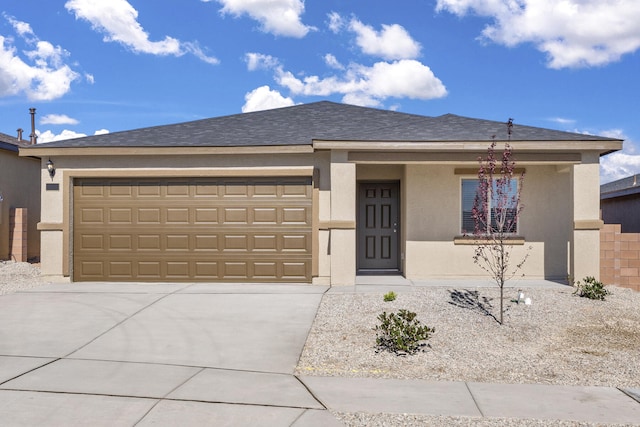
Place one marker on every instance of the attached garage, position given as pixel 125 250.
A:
pixel 192 229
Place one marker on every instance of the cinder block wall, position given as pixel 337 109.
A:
pixel 619 257
pixel 18 235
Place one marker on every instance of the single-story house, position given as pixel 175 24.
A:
pixel 620 203
pixel 315 193
pixel 19 189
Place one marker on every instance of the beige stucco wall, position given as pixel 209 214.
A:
pixel 20 188
pixel 343 219
pixel 430 210
pixel 585 186
pixel 433 220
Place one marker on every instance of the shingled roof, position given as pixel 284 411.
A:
pixel 10 143
pixel 329 121
pixel 620 188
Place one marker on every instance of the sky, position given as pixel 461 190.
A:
pixel 96 66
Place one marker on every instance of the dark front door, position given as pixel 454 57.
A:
pixel 378 227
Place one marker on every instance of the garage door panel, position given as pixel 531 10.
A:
pixel 91 216
pixel 265 242
pixel 120 242
pixel 207 242
pixel 205 189
pixel 120 216
pixel 92 269
pixel 92 242
pixel 266 215
pixel 235 189
pixel 206 215
pixel 176 189
pixel 295 216
pixel 120 269
pixel 295 270
pixel 149 242
pixel 123 190
pixel 148 215
pixel 238 230
pixel 149 269
pixel 235 216
pixel 150 189
pixel 206 269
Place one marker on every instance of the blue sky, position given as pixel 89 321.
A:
pixel 92 66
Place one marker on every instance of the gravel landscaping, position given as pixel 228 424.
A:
pixel 559 339
pixel 16 276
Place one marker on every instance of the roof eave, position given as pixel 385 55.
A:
pixel 43 150
pixel 604 146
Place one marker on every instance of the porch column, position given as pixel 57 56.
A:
pixel 51 225
pixel 343 219
pixel 585 242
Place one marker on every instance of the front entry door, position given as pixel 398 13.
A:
pixel 378 227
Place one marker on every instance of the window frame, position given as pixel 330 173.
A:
pixel 471 232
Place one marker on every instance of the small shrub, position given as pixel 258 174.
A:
pixel 401 333
pixel 390 296
pixel 591 288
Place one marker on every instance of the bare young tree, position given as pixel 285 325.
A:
pixel 496 212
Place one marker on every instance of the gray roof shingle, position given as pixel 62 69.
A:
pixel 301 124
pixel 622 187
pixel 10 143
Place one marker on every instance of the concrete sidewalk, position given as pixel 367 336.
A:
pixel 201 354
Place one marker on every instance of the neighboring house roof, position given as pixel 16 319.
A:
pixel 620 188
pixel 325 121
pixel 10 143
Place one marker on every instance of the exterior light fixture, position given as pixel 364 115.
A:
pixel 51 168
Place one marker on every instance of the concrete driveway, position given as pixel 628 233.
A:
pixel 96 354
pixel 157 354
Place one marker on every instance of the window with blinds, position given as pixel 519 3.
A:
pixel 505 216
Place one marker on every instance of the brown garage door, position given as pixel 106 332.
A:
pixel 195 229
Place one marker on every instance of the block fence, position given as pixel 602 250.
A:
pixel 619 257
pixel 18 234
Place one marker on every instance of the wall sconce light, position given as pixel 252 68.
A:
pixel 51 168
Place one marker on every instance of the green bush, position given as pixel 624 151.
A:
pixel 401 333
pixel 390 296
pixel 591 288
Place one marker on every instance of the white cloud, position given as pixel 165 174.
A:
pixel 41 75
pixel 195 49
pixel 573 33
pixel 369 86
pixel 278 17
pixel 333 62
pixel 49 136
pixel 58 119
pixel 256 61
pixel 263 98
pixel 620 164
pixel 22 28
pixel 117 19
pixel 392 42
pixel 336 22
pixel 562 120
pixel 362 84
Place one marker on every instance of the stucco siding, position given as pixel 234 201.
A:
pixel 433 220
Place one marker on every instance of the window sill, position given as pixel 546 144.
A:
pixel 476 240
